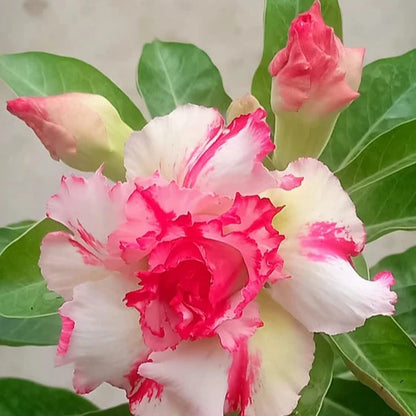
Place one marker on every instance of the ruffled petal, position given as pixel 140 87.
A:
pixel 90 208
pixel 181 201
pixel 322 233
pixel 192 147
pixel 151 211
pixel 246 142
pixel 231 253
pixel 171 143
pixel 266 379
pixel 65 263
pixel 190 380
pixel 106 341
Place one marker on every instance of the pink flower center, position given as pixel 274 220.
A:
pixel 187 296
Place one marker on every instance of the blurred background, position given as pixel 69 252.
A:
pixel 110 35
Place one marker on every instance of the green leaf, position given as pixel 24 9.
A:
pixel 341 370
pixel 23 291
pixel 12 231
pixel 382 357
pixel 171 74
pixel 30 331
pixel 41 74
pixel 380 181
pixel 24 398
pixel 122 410
pixel 313 394
pixel 332 15
pixel 388 99
pixel 278 16
pixel 350 398
pixel 388 205
pixel 360 266
pixel 387 154
pixel 403 267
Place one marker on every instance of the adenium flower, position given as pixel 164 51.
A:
pixel 179 286
pixel 82 130
pixel 314 78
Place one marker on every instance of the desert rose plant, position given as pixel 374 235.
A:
pixel 210 264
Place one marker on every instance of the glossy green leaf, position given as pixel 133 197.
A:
pixel 40 74
pixel 382 357
pixel 30 331
pixel 351 398
pixel 122 410
pixel 12 231
pixel 23 291
pixel 403 267
pixel 341 370
pixel 387 154
pixel 381 181
pixel 25 398
pixel 313 394
pixel 388 99
pixel 278 16
pixel 388 205
pixel 360 266
pixel 171 74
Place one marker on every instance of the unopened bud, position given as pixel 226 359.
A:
pixel 244 105
pixel 314 78
pixel 82 130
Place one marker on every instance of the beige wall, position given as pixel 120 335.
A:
pixel 110 34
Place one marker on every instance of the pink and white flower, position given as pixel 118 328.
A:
pixel 179 286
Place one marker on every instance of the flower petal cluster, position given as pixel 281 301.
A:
pixel 190 291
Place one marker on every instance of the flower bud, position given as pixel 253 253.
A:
pixel 244 105
pixel 314 78
pixel 82 130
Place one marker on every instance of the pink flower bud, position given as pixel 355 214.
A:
pixel 314 76
pixel 82 130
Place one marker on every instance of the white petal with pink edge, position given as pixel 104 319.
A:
pixel 322 233
pixel 90 207
pixel 193 380
pixel 65 263
pixel 329 296
pixel 284 351
pixel 319 198
pixel 192 147
pixel 106 340
pixel 169 144
pixel 245 142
